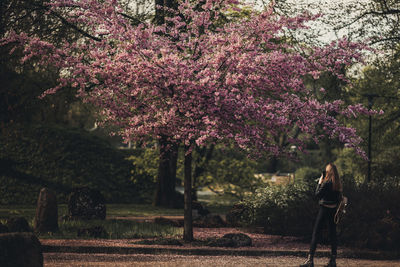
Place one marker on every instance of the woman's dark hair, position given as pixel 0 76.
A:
pixel 332 175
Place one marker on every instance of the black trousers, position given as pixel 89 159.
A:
pixel 325 215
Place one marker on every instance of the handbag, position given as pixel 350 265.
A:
pixel 341 210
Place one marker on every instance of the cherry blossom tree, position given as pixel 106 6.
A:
pixel 195 81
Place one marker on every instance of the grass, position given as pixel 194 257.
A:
pixel 215 203
pixel 116 229
pixel 113 210
pixel 26 211
pixel 140 210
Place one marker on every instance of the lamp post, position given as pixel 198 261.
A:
pixel 370 103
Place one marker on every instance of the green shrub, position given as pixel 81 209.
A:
pixel 61 159
pixel 284 210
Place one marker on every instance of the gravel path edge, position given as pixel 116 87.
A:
pixel 358 254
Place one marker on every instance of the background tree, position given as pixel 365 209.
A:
pixel 382 80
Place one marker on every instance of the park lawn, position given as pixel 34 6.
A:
pixel 116 229
pixel 26 211
pixel 140 210
pixel 113 210
pixel 219 204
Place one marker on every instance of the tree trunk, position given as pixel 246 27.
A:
pixel 188 226
pixel 273 164
pixel 165 195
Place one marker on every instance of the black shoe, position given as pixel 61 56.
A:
pixel 308 263
pixel 332 262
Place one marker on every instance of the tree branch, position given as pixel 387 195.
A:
pixel 136 21
pixel 393 38
pixel 69 24
pixel 371 12
pixel 382 13
pixel 76 28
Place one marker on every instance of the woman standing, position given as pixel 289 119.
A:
pixel 329 192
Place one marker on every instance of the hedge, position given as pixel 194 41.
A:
pixel 61 159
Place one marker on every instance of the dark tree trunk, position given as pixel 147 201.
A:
pixel 273 164
pixel 188 226
pixel 165 195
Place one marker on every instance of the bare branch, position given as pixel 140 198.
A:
pixel 382 40
pixel 133 19
pixel 76 28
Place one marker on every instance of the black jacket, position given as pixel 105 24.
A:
pixel 326 194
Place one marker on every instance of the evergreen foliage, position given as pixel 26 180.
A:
pixel 62 159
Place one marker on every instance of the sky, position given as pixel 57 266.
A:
pixel 332 10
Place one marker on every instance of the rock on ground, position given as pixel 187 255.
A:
pixel 86 203
pixel 18 224
pixel 46 218
pixel 20 249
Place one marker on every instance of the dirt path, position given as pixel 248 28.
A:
pixel 74 260
pixel 279 249
pixel 260 241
